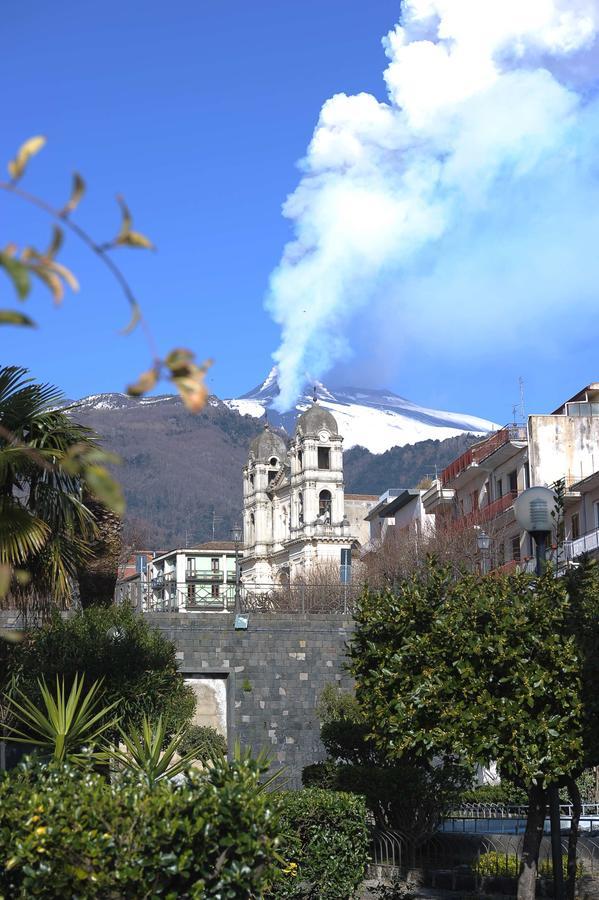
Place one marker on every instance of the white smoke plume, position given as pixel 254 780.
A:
pixel 469 197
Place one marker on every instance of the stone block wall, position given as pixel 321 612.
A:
pixel 275 672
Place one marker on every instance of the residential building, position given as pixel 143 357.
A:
pixel 581 520
pixel 297 520
pixel 477 490
pixel 200 578
pixel 400 510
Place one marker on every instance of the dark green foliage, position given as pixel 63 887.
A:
pixel 136 661
pixel 408 794
pixel 505 792
pixel 346 741
pixel 67 833
pixel 400 467
pixel 324 842
pixel 409 797
pixel 479 668
pixel 210 743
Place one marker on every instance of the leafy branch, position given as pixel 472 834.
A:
pixel 178 366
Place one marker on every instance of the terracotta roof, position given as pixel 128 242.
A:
pixel 361 496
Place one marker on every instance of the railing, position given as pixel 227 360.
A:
pixel 196 575
pixel 486 513
pixel 587 543
pixel 302 598
pixel 477 454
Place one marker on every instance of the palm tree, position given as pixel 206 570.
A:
pixel 45 527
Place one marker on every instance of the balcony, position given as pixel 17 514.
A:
pixel 486 513
pixel 438 497
pixel 197 576
pixel 587 543
pixel 475 455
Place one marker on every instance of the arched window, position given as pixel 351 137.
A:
pixel 300 508
pixel 300 458
pixel 324 506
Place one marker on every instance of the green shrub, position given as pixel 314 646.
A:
pixel 409 796
pixel 65 832
pixel 211 743
pixel 324 841
pixel 136 661
pixel 508 864
pixel 505 792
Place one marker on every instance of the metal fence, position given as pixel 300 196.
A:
pixel 299 597
pixel 464 860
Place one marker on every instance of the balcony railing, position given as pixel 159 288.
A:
pixel 486 513
pixel 196 575
pixel 587 543
pixel 332 597
pixel 475 455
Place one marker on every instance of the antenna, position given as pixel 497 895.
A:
pixel 522 408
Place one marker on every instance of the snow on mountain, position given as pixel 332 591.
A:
pixel 375 419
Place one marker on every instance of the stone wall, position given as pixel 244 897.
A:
pixel 275 672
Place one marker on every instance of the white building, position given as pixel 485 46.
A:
pixel 296 516
pixel 200 578
pixel 402 511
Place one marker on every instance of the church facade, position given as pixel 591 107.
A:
pixel 294 516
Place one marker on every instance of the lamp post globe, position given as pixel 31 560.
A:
pixel 533 508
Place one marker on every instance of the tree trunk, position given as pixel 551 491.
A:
pixel 97 577
pixel 574 795
pixel 537 803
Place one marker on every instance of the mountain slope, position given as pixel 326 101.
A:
pixel 377 420
pixel 177 470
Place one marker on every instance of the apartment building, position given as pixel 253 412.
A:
pixel 200 578
pixel 477 490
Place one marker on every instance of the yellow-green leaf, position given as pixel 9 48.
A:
pixel 13 636
pixel 51 280
pixel 17 166
pixel 135 239
pixel 12 317
pixel 135 318
pixel 18 272
pixel 55 243
pixel 5 579
pixel 77 192
pixel 105 488
pixel 145 382
pixel 180 358
pixel 126 220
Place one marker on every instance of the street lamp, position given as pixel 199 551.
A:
pixel 236 537
pixel 484 543
pixel 533 509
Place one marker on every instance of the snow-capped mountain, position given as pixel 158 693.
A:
pixel 375 419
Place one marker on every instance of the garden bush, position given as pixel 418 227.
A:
pixel 324 841
pixel 508 864
pixel 136 661
pixel 210 743
pixel 71 833
pixel 505 792
pixel 410 796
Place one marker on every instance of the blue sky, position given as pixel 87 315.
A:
pixel 198 113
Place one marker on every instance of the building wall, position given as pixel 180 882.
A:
pixel 356 509
pixel 561 446
pixel 275 672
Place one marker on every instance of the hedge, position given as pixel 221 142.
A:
pixel 324 842
pixel 65 832
pixel 138 664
